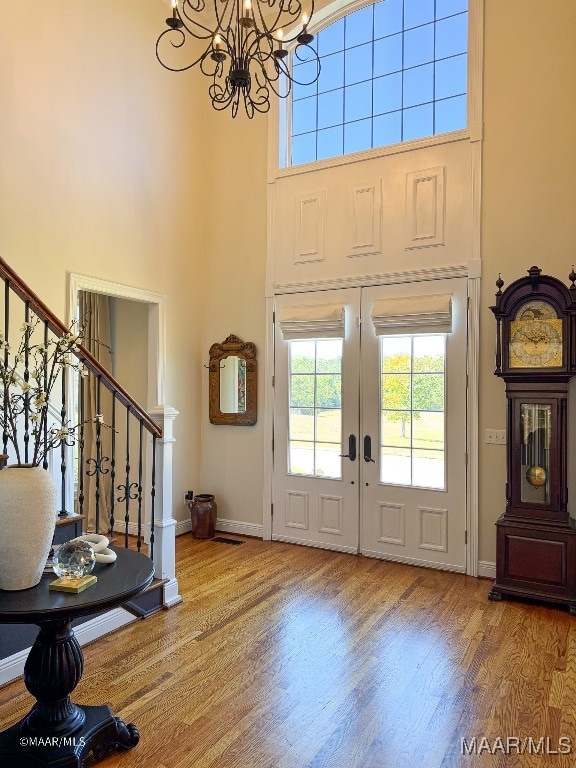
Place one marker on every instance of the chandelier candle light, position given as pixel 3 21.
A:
pixel 241 45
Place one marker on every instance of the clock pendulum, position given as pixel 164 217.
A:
pixel 536 358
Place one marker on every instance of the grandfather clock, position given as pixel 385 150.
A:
pixel 536 357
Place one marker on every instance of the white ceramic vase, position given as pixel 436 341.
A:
pixel 27 522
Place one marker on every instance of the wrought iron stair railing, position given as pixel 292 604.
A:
pixel 131 495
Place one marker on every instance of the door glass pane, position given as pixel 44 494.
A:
pixel 315 422
pixel 412 418
pixel 395 466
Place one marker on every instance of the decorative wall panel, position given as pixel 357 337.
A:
pixel 310 227
pixel 425 207
pixel 364 219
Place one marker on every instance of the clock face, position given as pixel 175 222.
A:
pixel 536 337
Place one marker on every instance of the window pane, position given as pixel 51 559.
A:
pixel 302 354
pixel 300 458
pixel 419 46
pixel 418 85
pixel 358 101
pixel 396 352
pixel 329 356
pixel 387 93
pixel 451 77
pixel 330 142
pixel 302 390
pixel 304 148
pixel 331 39
pixel 428 469
pixel 387 17
pixel 301 424
pixel 451 36
pixel 331 73
pixel 428 430
pixel 328 461
pixel 450 114
pixel 304 116
pixel 388 55
pixel 429 352
pixel 330 108
pixel 358 26
pixel 328 388
pixel 395 466
pixel 395 428
pixel 357 136
pixel 450 7
pixel 418 12
pixel 428 391
pixel 387 129
pixel 396 391
pixel 329 426
pixel 417 122
pixel 359 64
pixel 303 86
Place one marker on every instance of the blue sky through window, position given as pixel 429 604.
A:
pixel 391 72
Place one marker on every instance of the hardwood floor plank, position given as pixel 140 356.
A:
pixel 290 657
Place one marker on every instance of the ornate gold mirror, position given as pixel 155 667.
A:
pixel 233 382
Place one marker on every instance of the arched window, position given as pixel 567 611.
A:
pixel 391 72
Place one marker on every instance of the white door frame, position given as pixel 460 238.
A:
pixel 156 343
pixel 472 272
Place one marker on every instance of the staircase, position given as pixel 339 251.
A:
pixel 115 477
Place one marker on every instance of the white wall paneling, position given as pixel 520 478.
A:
pixel 425 208
pixel 310 227
pixel 364 227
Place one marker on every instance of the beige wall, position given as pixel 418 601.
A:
pixel 111 166
pixel 529 186
pixel 100 172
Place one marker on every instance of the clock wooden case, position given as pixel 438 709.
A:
pixel 536 357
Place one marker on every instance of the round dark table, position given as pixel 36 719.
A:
pixel 57 733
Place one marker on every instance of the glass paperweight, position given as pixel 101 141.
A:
pixel 74 560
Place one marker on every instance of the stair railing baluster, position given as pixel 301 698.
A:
pixel 63 512
pixel 139 542
pixel 113 466
pixel 98 464
pixel 153 497
pixel 127 495
pixel 26 378
pixel 82 389
pixel 45 382
pixel 6 354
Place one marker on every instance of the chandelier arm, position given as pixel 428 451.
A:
pixel 194 22
pixel 176 45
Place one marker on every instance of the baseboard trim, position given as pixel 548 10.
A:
pixel 317 544
pixel 416 561
pixel 12 666
pixel 486 570
pixel 228 526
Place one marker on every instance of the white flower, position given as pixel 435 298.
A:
pixel 99 418
pixel 25 386
pixel 35 417
pixel 40 400
pixel 25 325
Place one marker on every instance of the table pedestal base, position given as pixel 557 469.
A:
pixel 101 734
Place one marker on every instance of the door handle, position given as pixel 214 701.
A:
pixel 368 449
pixel 351 449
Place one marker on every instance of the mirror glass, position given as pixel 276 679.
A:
pixel 233 385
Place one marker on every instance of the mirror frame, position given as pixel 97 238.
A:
pixel 233 346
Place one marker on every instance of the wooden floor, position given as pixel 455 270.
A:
pixel 289 657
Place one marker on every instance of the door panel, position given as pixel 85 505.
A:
pixel 316 417
pixel 414 411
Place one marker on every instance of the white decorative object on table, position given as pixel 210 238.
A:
pixel 28 519
pixel 99 544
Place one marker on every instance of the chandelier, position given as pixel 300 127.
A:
pixel 241 46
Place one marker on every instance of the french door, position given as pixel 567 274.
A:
pixel 370 426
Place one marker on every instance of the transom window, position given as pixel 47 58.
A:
pixel 390 72
pixel 315 421
pixel 412 429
